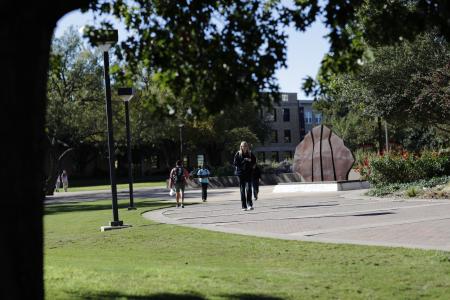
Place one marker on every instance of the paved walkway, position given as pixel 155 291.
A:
pixel 334 217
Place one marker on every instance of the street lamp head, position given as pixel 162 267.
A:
pixel 102 38
pixel 181 125
pixel 126 94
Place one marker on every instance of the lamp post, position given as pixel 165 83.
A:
pixel 126 94
pixel 105 39
pixel 386 135
pixel 181 125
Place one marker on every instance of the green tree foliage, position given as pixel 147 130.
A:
pixel 154 127
pixel 76 117
pixel 235 136
pixel 347 117
pixel 393 80
pixel 75 106
pixel 405 84
pixel 75 93
pixel 354 24
pixel 211 54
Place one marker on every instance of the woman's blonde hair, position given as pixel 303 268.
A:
pixel 243 143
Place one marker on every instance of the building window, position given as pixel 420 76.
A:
pixel 275 156
pixel 287 136
pixel 284 97
pixel 301 119
pixel 308 117
pixel 274 114
pixel 318 118
pixel 261 156
pixel 274 136
pixel 286 115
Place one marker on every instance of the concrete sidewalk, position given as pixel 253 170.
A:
pixel 335 217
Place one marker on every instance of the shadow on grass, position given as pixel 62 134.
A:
pixel 248 296
pixel 92 206
pixel 161 296
pixel 168 296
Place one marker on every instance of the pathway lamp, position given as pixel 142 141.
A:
pixel 104 40
pixel 126 94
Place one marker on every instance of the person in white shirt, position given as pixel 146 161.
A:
pixel 203 174
pixel 58 183
pixel 65 180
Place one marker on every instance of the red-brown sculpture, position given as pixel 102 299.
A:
pixel 322 156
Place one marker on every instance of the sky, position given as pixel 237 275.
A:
pixel 305 50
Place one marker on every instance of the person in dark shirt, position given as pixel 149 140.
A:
pixel 244 162
pixel 177 180
pixel 255 180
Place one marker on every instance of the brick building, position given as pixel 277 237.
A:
pixel 290 121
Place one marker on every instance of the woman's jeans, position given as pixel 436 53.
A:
pixel 255 188
pixel 245 185
pixel 204 191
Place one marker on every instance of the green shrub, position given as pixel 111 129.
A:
pixel 361 165
pixel 284 166
pixel 412 191
pixel 388 189
pixel 394 168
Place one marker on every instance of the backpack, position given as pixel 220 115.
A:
pixel 178 175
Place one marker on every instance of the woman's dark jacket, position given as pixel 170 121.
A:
pixel 256 173
pixel 244 168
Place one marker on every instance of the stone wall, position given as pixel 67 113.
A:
pixel 233 181
pixel 266 179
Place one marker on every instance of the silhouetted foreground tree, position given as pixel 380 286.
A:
pixel 238 42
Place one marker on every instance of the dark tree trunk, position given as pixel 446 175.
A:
pixel 55 170
pixel 25 30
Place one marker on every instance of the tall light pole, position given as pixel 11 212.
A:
pixel 181 125
pixel 127 94
pixel 105 39
pixel 386 135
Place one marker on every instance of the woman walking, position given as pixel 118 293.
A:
pixel 244 162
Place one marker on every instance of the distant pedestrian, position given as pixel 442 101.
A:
pixel 58 183
pixel 65 180
pixel 177 180
pixel 256 177
pixel 203 174
pixel 244 161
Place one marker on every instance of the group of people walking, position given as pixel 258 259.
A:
pixel 245 168
pixel 62 179
pixel 177 181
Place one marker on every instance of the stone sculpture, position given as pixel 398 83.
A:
pixel 322 156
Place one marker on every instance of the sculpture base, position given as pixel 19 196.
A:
pixel 320 186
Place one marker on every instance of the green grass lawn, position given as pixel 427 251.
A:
pixel 158 261
pixel 119 186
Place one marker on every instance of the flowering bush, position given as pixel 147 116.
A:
pixel 362 163
pixel 406 167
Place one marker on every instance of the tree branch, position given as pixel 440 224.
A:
pixel 442 128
